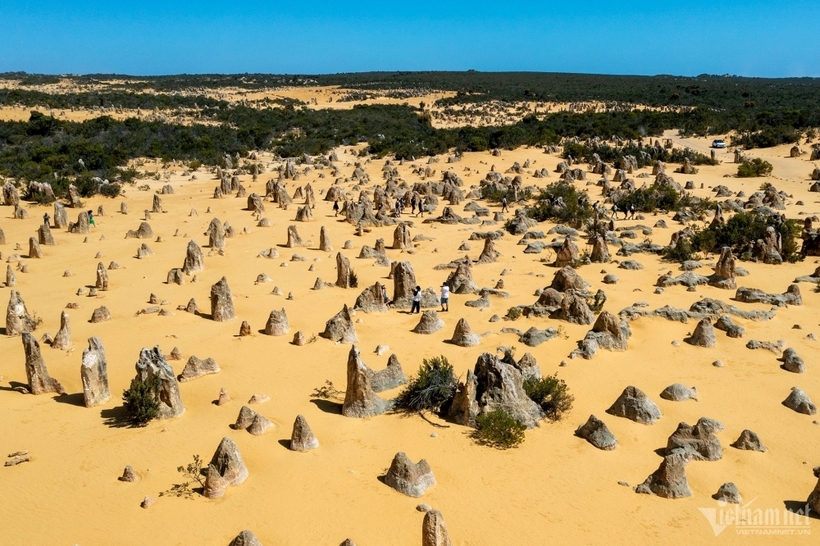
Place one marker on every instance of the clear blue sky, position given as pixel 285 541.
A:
pixel 774 38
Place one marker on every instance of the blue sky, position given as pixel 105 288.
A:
pixel 148 37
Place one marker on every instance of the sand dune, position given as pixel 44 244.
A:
pixel 555 488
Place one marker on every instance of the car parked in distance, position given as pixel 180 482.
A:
pixel 718 143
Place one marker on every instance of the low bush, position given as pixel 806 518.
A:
pixel 434 386
pixel 561 202
pixel 551 393
pixel 141 400
pixel 754 168
pixel 682 251
pixel 498 429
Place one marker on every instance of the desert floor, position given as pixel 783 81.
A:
pixel 554 489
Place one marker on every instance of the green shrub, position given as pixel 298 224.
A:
pixel 551 393
pixel 434 386
pixel 110 190
pixel 498 429
pixel 754 168
pixel 681 252
pixel 743 229
pixel 574 211
pixel 193 473
pixel 353 279
pixel 141 400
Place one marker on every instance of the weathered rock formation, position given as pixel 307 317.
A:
pixel 293 238
pixel 697 442
pixel 62 339
pixel 360 399
pixel 225 469
pixel 196 368
pixel 434 531
pixel 153 364
pixel 390 377
pixel 597 433
pixel 194 262
pixel 678 392
pixel 343 276
pixel 216 234
pixel 635 405
pixel 245 538
pixel 749 441
pixel 340 327
pixel 94 373
pixel 302 438
pixel 408 478
pixel 669 480
pixel 144 231
pixel 100 314
pixel 494 384
pixel 39 382
pixel 704 334
pixel 463 336
pixel 429 323
pixel 277 324
pixel 17 318
pixel 252 422
pixel 800 402
pixel 222 301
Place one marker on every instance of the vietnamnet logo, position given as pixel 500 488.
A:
pixel 749 520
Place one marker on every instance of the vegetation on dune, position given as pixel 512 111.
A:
pixel 657 197
pixel 552 394
pixel 498 429
pixel 432 388
pixel 754 168
pixel 45 148
pixel 561 202
pixel 141 400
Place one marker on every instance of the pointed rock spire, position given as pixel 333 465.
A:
pixel 225 469
pixel 94 373
pixel 39 382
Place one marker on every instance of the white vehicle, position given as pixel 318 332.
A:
pixel 718 143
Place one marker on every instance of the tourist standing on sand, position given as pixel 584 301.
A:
pixel 91 219
pixel 504 204
pixel 336 207
pixel 46 218
pixel 416 308
pixel 445 297
pixel 387 301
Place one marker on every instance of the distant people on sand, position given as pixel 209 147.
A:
pixel 91 219
pixel 46 218
pixel 445 297
pixel 336 208
pixel 504 204
pixel 632 211
pixel 416 308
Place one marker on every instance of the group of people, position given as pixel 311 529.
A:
pixel 416 302
pixel 628 213
pixel 401 204
pixel 91 222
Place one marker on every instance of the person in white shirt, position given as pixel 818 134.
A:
pixel 445 298
pixel 416 308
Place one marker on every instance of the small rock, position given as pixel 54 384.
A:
pixel 128 475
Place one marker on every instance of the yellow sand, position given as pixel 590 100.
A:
pixel 554 489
